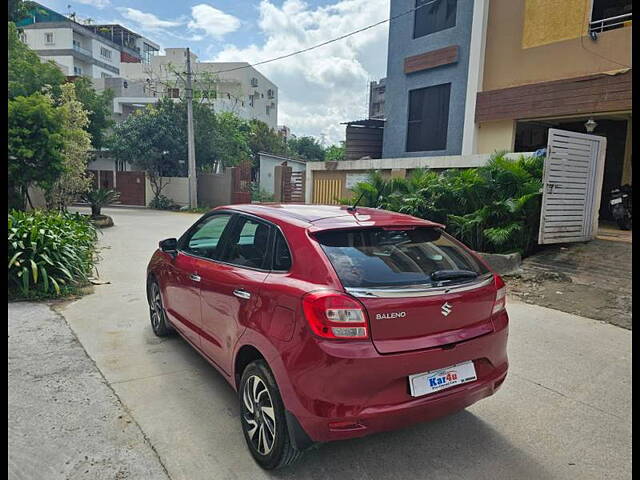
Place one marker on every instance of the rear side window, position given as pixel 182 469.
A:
pixel 391 258
pixel 281 254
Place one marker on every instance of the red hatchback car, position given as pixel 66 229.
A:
pixel 332 322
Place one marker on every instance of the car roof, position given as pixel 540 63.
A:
pixel 323 217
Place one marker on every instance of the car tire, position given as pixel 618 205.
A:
pixel 263 418
pixel 157 315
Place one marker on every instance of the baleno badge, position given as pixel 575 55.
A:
pixel 388 316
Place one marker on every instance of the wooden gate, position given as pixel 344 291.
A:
pixel 131 186
pixel 105 179
pixel 327 190
pixel 240 182
pixel 572 184
pixel 293 186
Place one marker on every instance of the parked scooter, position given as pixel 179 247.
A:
pixel 620 204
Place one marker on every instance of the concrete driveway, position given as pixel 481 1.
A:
pixel 564 411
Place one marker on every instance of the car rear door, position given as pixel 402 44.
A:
pixel 231 287
pixel 389 271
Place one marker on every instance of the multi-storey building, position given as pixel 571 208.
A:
pixel 473 76
pixel 230 86
pixel 95 51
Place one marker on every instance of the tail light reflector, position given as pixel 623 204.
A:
pixel 500 302
pixel 335 315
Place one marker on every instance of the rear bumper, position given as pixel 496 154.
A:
pixel 338 391
pixel 384 418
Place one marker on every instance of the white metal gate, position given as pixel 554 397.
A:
pixel 572 185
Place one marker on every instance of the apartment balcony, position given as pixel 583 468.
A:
pixel 84 51
pixel 610 23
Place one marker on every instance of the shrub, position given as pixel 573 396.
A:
pixel 100 198
pixel 495 208
pixel 49 251
pixel 260 194
pixel 163 203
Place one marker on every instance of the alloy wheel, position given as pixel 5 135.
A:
pixel 156 307
pixel 259 418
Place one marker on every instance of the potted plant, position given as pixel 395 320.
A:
pixel 97 199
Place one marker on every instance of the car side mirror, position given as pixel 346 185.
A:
pixel 169 245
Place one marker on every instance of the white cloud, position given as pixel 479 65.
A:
pixel 329 85
pixel 147 20
pixel 212 21
pixel 95 3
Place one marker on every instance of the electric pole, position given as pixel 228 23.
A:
pixel 193 181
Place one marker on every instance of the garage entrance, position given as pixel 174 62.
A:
pixel 532 135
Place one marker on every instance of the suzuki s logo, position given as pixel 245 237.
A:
pixel 388 316
pixel 446 309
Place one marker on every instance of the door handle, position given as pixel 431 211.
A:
pixel 195 277
pixel 240 293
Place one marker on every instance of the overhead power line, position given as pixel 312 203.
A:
pixel 341 37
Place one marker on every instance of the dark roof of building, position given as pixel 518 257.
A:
pixel 369 122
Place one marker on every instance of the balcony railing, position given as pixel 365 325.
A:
pixel 599 26
pixel 84 51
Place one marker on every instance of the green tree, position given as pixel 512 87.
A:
pixel 307 148
pixel 334 153
pixel 19 9
pixel 231 139
pixel 98 106
pixel 27 74
pixel 262 138
pixel 74 181
pixel 35 141
pixel 153 139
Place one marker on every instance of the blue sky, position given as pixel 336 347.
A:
pixel 318 90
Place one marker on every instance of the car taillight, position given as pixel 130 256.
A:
pixel 501 296
pixel 335 315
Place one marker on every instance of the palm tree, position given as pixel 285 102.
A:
pixel 100 198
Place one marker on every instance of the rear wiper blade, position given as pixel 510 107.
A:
pixel 439 275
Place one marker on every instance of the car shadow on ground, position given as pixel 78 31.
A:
pixel 459 446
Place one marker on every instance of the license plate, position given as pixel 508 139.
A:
pixel 437 380
pixel 616 200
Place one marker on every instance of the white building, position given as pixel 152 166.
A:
pixel 95 51
pixel 237 87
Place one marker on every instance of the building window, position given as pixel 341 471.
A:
pixel 428 118
pixel 77 71
pixel 173 93
pixel 433 15
pixel 105 53
pixel 105 75
pixel 48 38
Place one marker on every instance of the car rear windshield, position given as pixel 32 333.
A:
pixel 378 257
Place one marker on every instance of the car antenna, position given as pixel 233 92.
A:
pixel 353 209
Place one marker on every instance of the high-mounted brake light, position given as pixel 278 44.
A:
pixel 335 315
pixel 501 295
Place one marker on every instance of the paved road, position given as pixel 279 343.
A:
pixel 564 411
pixel 64 420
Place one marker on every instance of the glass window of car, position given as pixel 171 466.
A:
pixel 389 258
pixel 281 254
pixel 248 244
pixel 204 239
pixel 433 15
